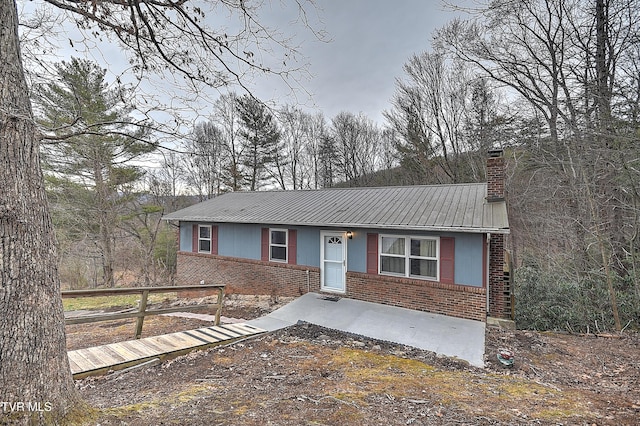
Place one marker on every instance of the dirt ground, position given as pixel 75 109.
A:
pixel 101 333
pixel 309 375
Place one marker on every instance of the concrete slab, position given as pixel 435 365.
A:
pixel 449 336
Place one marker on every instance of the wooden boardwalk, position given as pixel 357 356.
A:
pixel 116 356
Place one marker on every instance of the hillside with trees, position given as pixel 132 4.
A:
pixel 158 39
pixel 553 84
pixel 88 172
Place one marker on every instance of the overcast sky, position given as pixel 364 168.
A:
pixel 370 42
pixel 354 71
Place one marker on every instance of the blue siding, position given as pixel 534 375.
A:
pixel 357 251
pixel 468 260
pixel 243 241
pixel 308 246
pixel 186 235
pixel 239 240
pixel 468 253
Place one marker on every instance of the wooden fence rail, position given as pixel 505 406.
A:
pixel 142 308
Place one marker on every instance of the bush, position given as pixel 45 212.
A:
pixel 546 301
pixel 165 252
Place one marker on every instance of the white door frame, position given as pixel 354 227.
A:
pixel 343 287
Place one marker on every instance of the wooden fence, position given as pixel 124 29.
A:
pixel 142 311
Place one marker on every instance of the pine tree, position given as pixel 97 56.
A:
pixel 262 142
pixel 91 151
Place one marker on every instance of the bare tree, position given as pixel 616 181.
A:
pixel 163 183
pixel 388 160
pixel 226 117
pixel 562 59
pixel 429 111
pixel 356 144
pixel 311 160
pixel 295 126
pixel 486 125
pixel 32 331
pixel 203 162
pixel 143 223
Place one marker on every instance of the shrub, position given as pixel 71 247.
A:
pixel 548 301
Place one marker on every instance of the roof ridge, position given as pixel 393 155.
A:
pixel 353 188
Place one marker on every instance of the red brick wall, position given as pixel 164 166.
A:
pixel 495 178
pixel 446 299
pixel 256 277
pixel 496 277
pixel 246 276
pixel 496 192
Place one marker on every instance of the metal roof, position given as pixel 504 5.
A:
pixel 458 208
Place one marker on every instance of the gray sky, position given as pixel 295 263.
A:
pixel 370 42
pixel 355 71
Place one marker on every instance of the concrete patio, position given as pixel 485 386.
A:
pixel 449 336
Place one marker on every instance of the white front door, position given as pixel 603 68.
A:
pixel 333 265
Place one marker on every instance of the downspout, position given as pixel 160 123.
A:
pixel 488 273
pixel 308 282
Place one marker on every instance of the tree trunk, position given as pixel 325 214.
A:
pixel 612 209
pixel 35 379
pixel 106 221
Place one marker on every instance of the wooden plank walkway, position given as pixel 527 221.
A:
pixel 116 356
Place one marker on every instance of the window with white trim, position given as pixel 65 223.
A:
pixel 204 239
pixel 278 249
pixel 409 256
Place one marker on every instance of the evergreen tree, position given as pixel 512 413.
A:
pixel 90 151
pixel 262 145
pixel 32 337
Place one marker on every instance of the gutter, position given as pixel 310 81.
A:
pixel 460 229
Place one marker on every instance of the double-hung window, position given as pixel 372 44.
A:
pixel 423 258
pixel 409 256
pixel 278 245
pixel 393 255
pixel 204 239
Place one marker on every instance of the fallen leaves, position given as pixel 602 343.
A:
pixel 310 375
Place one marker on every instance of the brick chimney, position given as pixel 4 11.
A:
pixel 495 176
pixel 499 292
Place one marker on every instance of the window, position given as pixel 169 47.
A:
pixel 423 260
pixel 392 255
pixel 204 238
pixel 278 245
pixel 408 256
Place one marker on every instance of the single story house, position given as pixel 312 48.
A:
pixel 434 248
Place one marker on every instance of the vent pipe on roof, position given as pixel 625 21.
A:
pixel 495 176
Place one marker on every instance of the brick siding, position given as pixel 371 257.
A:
pixel 420 295
pixel 496 192
pixel 497 295
pixel 495 179
pixel 245 276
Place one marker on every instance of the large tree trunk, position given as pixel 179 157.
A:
pixel 35 379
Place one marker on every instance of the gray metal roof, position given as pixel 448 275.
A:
pixel 458 208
